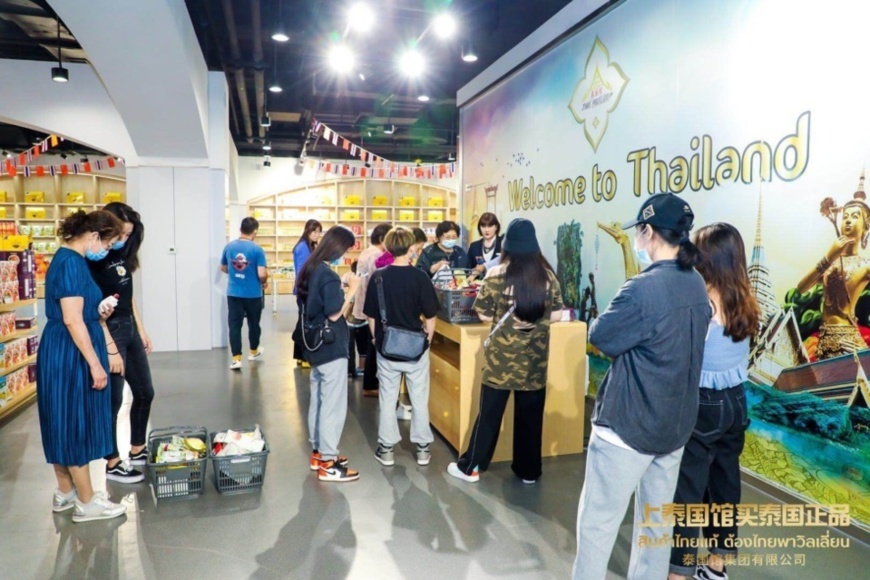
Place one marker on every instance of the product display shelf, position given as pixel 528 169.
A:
pixel 19 334
pixel 21 399
pixel 18 365
pixel 282 216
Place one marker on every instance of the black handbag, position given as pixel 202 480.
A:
pixel 316 335
pixel 398 344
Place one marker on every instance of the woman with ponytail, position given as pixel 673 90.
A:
pixel 710 468
pixel 647 403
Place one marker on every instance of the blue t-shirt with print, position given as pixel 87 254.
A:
pixel 242 258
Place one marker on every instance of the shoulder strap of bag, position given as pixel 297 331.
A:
pixel 382 303
pixel 499 325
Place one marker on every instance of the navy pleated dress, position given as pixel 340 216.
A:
pixel 75 419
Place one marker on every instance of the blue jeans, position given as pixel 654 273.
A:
pixel 612 475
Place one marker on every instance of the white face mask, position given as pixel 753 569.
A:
pixel 642 255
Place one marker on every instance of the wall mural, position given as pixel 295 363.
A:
pixel 731 106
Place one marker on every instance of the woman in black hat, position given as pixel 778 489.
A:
pixel 521 297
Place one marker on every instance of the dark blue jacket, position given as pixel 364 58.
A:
pixel 654 329
pixel 475 251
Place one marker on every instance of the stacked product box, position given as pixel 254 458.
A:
pixel 31 373
pixel 8 323
pixel 17 275
pixel 8 281
pixel 5 397
pixel 32 343
pixel 17 382
pixel 15 352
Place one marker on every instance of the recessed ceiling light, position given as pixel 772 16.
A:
pixel 341 58
pixel 412 64
pixel 280 36
pixel 423 98
pixel 275 87
pixel 445 25
pixel 468 53
pixel 360 17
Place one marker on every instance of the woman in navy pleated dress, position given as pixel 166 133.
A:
pixel 75 408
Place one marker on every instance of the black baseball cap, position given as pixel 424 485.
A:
pixel 666 211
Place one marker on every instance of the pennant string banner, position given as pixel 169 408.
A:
pixel 18 164
pixel 380 167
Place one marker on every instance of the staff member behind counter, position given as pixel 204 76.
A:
pixel 445 252
pixel 488 248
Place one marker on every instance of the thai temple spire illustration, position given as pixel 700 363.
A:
pixel 759 275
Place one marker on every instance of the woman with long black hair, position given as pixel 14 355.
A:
pixel 322 308
pixel 521 297
pixel 710 468
pixel 114 276
pixel 301 252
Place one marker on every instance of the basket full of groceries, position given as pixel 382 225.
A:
pixel 457 289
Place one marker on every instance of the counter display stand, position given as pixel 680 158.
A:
pixel 11 402
pixel 456 360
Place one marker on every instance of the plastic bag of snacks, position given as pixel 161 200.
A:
pixel 180 449
pixel 229 443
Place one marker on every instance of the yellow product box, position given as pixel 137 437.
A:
pixel 436 202
pixel 436 216
pixel 351 200
pixel 262 214
pixel 408 202
pixel 34 213
pixel 380 214
pixel 407 216
pixel 267 247
pixel 350 215
pixel 2 213
pixel 34 197
pixel 111 196
pixel 326 200
pixel 2 197
pixel 14 243
pixel 75 197
pixel 380 200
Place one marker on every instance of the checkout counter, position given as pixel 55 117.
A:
pixel 456 360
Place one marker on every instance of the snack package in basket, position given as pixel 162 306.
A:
pixel 230 443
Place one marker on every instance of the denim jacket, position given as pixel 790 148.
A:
pixel 654 330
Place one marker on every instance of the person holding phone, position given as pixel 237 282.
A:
pixel 75 408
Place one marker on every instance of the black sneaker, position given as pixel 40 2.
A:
pixel 124 474
pixel 140 458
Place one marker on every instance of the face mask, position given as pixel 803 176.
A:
pixel 449 243
pixel 642 254
pixel 96 256
pixel 118 245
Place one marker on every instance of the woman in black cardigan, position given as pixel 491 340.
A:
pixel 487 248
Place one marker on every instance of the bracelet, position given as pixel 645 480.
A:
pixel 823 265
pixel 108 343
pixel 114 352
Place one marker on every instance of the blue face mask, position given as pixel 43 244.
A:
pixel 449 243
pixel 118 245
pixel 96 256
pixel 642 255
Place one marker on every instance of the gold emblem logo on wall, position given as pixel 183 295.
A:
pixel 598 93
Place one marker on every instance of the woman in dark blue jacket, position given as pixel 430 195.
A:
pixel 488 248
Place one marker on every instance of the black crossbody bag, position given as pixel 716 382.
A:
pixel 399 344
pixel 317 334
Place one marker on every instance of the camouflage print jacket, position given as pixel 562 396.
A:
pixel 517 355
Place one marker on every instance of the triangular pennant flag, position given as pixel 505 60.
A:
pixel 345 144
pixel 52 170
pixel 54 140
pixel 26 171
pixel 64 170
pixel 381 173
pixel 43 146
pixel 22 159
pixel 36 152
pixel 40 171
pixel 110 161
pixel 334 138
pixel 99 165
pixel 10 169
pixel 86 167
pixel 327 133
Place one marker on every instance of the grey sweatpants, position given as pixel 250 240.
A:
pixel 417 380
pixel 327 409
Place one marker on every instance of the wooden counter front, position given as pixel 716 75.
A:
pixel 456 359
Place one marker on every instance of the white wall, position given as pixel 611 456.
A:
pixel 255 181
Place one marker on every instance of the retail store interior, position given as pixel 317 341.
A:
pixel 202 114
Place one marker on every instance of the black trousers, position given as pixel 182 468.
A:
pixel 370 373
pixel 239 309
pixel 298 347
pixel 359 340
pixel 137 373
pixel 710 468
pixel 528 431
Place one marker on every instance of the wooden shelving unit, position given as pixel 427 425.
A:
pixel 282 216
pixel 10 402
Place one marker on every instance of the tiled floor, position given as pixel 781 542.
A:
pixel 400 522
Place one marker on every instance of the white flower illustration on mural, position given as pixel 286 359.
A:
pixel 598 93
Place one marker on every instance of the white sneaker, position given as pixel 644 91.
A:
pixel 99 508
pixel 257 355
pixel 62 502
pixel 530 481
pixel 403 412
pixel 454 470
pixel 236 365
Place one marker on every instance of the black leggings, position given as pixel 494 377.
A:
pixel 137 373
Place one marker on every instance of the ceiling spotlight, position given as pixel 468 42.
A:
pixel 412 64
pixel 265 121
pixel 280 35
pixel 58 73
pixel 275 87
pixel 267 145
pixel 468 53
pixel 267 162
pixel 361 17
pixel 390 131
pixel 423 98
pixel 341 58
pixel 451 157
pixel 445 25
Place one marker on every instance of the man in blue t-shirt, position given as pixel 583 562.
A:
pixel 245 263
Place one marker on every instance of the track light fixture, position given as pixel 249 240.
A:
pixel 267 162
pixel 280 33
pixel 267 145
pixel 63 156
pixel 265 121
pixel 58 73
